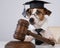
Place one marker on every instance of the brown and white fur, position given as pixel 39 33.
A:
pixel 37 18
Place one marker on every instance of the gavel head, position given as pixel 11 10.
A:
pixel 21 29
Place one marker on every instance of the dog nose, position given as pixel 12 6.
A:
pixel 31 20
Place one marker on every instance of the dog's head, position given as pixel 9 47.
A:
pixel 37 14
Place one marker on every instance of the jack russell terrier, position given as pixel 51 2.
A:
pixel 37 18
pixel 36 15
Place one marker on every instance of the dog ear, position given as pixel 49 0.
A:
pixel 47 12
pixel 28 12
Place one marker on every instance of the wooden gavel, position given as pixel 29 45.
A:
pixel 22 31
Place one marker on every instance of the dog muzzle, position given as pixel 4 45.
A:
pixel 32 19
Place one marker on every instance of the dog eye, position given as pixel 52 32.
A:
pixel 38 12
pixel 28 12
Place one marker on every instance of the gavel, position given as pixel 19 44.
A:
pixel 22 31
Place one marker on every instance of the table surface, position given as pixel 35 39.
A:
pixel 2 45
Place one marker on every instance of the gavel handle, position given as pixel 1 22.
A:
pixel 41 38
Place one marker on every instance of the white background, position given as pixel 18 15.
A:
pixel 11 12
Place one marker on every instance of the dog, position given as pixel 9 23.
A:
pixel 37 18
